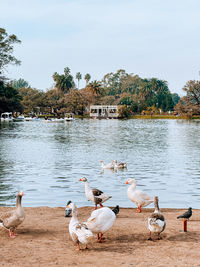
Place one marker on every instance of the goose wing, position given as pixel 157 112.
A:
pixel 96 192
pixel 83 233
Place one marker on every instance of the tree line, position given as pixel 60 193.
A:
pixel 135 94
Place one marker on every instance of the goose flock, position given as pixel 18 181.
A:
pixel 101 219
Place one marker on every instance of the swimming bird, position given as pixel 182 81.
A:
pixel 95 195
pixel 107 166
pixel 101 220
pixel 186 215
pixel 119 165
pixel 156 222
pixel 79 232
pixel 11 219
pixel 139 197
pixel 68 210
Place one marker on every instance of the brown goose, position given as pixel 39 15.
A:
pixel 95 195
pixel 156 222
pixel 11 219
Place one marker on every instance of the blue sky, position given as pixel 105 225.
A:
pixel 151 38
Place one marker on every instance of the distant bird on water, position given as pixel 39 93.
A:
pixel 186 215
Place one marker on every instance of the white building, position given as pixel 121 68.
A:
pixel 104 111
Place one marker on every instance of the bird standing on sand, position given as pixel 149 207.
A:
pixel 186 215
pixel 101 220
pixel 11 219
pixel 79 232
pixel 139 197
pixel 156 222
pixel 95 195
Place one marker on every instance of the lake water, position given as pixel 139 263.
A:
pixel 46 160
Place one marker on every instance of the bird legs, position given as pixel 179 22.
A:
pixel 99 205
pixel 99 238
pixel 11 233
pixel 150 238
pixel 79 248
pixel 139 209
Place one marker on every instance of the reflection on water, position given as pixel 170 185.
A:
pixel 47 160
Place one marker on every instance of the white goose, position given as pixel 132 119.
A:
pixel 11 219
pixel 79 232
pixel 156 222
pixel 119 165
pixel 139 197
pixel 101 220
pixel 107 166
pixel 95 195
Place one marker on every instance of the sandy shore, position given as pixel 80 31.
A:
pixel 43 240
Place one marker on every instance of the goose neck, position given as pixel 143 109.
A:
pixel 133 186
pixel 19 201
pixel 87 187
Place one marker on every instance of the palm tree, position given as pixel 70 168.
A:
pixel 96 88
pixel 78 77
pixel 63 82
pixel 87 78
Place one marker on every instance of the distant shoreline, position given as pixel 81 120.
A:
pixel 166 117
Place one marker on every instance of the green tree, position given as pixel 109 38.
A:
pixel 192 89
pixel 64 82
pixel 87 78
pixel 9 99
pixel 21 83
pixel 6 49
pixel 32 99
pixel 175 98
pixel 78 77
pixel 74 102
pixel 190 104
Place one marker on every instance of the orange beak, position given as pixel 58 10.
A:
pixel 126 182
pixel 67 206
pixel 80 179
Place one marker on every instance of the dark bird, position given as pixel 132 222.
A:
pixel 116 210
pixel 68 210
pixel 186 215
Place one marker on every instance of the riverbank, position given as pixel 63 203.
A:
pixel 137 116
pixel 43 240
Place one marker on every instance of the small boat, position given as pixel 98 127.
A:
pixel 69 117
pixel 19 118
pixel 7 116
pixel 57 120
pixel 31 118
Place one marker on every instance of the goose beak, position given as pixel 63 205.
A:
pixel 80 179
pixel 126 182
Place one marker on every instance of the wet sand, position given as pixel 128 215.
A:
pixel 43 240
